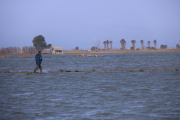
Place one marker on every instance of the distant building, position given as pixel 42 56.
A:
pixel 56 50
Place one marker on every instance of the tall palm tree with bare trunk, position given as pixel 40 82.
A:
pixel 110 44
pixel 107 43
pixel 123 44
pixel 133 44
pixel 104 44
pixel 149 43
pixel 142 44
pixel 155 43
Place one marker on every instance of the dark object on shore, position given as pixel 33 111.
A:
pixel 61 70
pixel 176 69
pixel 141 70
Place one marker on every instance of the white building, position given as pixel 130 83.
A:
pixel 56 50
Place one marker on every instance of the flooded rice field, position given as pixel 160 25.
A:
pixel 92 95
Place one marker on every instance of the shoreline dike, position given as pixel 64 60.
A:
pixel 113 51
pixel 119 51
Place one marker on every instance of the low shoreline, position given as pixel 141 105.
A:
pixel 119 51
pixel 91 52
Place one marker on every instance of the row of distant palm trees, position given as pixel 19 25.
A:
pixel 123 44
pixel 106 44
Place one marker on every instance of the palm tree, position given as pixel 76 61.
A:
pixel 110 44
pixel 121 41
pixel 149 43
pixel 142 44
pixel 133 44
pixel 104 44
pixel 155 44
pixel 123 44
pixel 107 42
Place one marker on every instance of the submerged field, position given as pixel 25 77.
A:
pixel 111 93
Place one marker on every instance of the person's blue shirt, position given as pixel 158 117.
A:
pixel 38 59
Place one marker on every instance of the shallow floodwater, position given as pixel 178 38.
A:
pixel 92 95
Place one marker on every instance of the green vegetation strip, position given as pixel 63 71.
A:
pixel 62 71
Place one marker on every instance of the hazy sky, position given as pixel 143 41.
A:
pixel 71 23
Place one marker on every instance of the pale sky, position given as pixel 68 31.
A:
pixel 72 23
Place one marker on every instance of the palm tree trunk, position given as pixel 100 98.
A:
pixel 121 45
pixel 133 46
pixel 142 45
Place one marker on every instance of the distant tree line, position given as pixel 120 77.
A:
pixel 133 42
pixel 17 50
pixel 123 44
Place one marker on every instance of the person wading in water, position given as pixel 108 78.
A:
pixel 38 59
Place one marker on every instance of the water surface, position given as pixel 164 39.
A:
pixel 92 95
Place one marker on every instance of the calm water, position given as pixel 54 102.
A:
pixel 93 95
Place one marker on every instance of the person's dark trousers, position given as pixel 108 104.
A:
pixel 38 66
